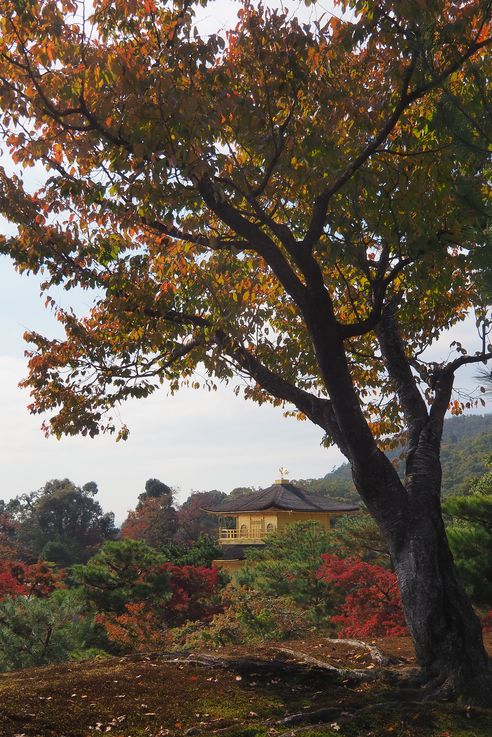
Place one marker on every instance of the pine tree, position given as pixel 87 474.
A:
pixel 470 538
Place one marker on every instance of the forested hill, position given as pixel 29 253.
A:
pixel 467 441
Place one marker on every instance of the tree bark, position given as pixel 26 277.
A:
pixel 445 629
pixel 443 625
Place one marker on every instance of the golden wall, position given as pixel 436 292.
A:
pixel 258 525
pixel 289 518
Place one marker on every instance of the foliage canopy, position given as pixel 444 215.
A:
pixel 60 522
pixel 217 191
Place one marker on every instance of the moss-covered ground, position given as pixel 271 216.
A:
pixel 148 696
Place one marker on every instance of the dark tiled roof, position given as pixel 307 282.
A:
pixel 235 552
pixel 281 496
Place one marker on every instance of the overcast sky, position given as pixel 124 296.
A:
pixel 192 441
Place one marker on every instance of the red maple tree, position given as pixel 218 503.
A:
pixel 21 579
pixel 371 604
pixel 192 595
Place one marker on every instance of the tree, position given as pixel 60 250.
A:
pixel 371 604
pixel 154 519
pixel 305 206
pixel 8 535
pixel 240 491
pixel 40 631
pixel 202 552
pixel 138 593
pixel 470 538
pixel 123 571
pixel 61 522
pixel 358 536
pixel 18 579
pixel 192 521
pixel 194 594
pixel 155 489
pixel 287 565
pixel 336 485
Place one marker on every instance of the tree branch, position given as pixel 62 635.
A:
pixel 371 321
pixel 320 208
pixel 317 409
pixel 398 365
pixel 464 360
pixel 197 238
pixel 257 238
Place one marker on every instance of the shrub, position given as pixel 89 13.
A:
pixel 36 631
pixel 248 616
pixel 136 629
pixel 370 604
pixel 139 595
pixel 20 579
pixel 487 621
pixel 194 593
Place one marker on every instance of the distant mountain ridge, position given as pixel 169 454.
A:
pixel 467 442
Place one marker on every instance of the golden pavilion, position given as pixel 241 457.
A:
pixel 248 519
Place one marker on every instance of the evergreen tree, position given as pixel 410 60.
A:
pixel 287 565
pixel 36 631
pixel 470 538
pixel 117 574
pixel 61 522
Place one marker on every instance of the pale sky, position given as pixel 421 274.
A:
pixel 192 441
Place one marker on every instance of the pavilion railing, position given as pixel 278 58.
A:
pixel 228 534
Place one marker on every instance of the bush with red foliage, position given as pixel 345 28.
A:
pixel 137 628
pixel 163 595
pixel 370 601
pixel 20 579
pixel 487 621
pixel 194 593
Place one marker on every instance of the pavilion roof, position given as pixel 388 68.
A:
pixel 283 496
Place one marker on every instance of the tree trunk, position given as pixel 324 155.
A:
pixel 444 627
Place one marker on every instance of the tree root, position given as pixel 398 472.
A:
pixel 374 652
pixel 454 686
pixel 345 674
pixel 248 665
pixel 338 715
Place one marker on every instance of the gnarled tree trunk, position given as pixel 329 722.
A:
pixel 444 627
pixel 445 630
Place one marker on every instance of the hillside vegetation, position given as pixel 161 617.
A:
pixel 467 442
